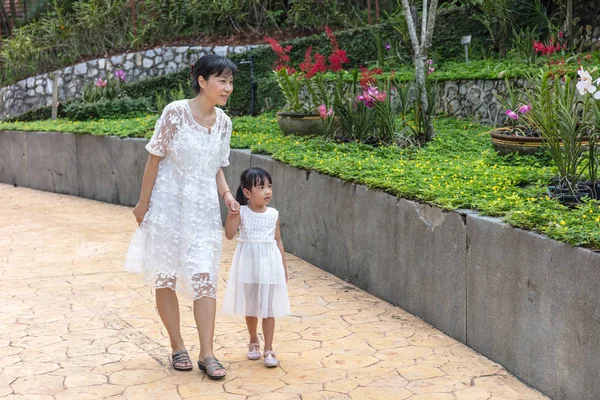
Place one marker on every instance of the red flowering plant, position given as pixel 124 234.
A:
pixel 305 87
pixel 559 62
pixel 368 108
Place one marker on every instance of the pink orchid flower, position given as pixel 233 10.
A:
pixel 323 112
pixel 525 109
pixel 511 114
pixel 101 82
pixel 120 74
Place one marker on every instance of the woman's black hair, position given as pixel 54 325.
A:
pixel 250 178
pixel 208 65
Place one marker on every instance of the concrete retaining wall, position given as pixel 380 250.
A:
pixel 527 302
pixel 533 305
pixel 95 167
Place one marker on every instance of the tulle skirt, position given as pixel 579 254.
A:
pixel 256 285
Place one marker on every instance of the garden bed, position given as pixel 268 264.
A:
pixel 458 170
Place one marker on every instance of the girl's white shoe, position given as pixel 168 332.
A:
pixel 270 359
pixel 253 351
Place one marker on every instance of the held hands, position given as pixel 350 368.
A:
pixel 232 205
pixel 140 211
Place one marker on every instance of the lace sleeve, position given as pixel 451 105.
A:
pixel 225 140
pixel 164 131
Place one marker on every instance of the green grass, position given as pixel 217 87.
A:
pixel 458 170
pixel 128 127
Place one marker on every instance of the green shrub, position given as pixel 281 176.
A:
pixel 63 36
pixel 36 114
pixel 108 109
pixel 452 24
pixel 360 44
pixel 149 87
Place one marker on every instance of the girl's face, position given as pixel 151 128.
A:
pixel 260 195
pixel 217 88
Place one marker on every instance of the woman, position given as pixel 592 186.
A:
pixel 177 245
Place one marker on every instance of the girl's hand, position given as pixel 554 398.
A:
pixel 233 214
pixel 286 276
pixel 140 210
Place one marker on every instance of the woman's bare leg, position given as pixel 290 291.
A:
pixel 168 309
pixel 205 310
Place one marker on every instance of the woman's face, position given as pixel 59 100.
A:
pixel 217 88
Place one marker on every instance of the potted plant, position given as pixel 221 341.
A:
pixel 565 119
pixel 517 136
pixel 305 88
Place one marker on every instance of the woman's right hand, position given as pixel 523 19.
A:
pixel 140 210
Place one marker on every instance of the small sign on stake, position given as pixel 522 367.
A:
pixel 465 40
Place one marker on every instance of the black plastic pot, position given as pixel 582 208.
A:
pixel 572 195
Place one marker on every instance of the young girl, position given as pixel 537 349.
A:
pixel 257 286
pixel 177 245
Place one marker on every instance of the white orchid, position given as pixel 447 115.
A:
pixel 586 84
pixel 584 75
pixel 585 87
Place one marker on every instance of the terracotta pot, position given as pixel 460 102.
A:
pixel 302 124
pixel 505 143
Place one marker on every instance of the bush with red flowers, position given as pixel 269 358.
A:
pixel 304 86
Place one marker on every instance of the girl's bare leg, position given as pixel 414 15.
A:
pixel 268 326
pixel 252 324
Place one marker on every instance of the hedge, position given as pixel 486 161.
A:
pixel 78 110
pixel 109 109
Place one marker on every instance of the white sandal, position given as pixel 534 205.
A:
pixel 253 351
pixel 270 359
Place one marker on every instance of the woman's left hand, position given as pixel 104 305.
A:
pixel 232 204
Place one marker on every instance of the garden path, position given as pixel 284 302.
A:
pixel 74 325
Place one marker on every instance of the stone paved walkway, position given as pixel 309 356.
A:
pixel 73 325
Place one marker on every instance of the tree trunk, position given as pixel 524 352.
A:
pixel 5 21
pixel 568 19
pixel 13 13
pixel 420 50
pixel 502 48
pixel 133 19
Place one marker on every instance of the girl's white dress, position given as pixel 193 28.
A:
pixel 178 244
pixel 256 286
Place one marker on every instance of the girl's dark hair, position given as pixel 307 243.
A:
pixel 250 178
pixel 208 65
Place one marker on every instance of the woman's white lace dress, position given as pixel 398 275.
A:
pixel 178 244
pixel 256 285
